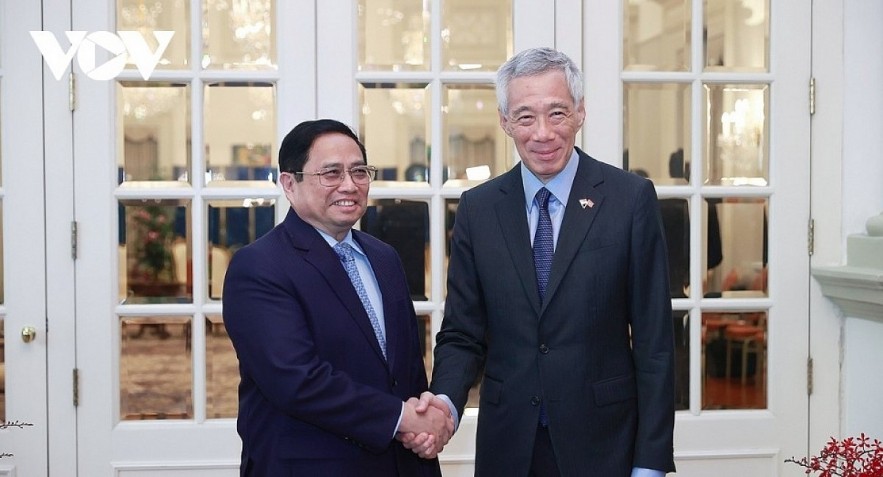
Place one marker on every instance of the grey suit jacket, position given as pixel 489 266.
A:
pixel 598 352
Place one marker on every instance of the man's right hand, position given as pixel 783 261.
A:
pixel 427 425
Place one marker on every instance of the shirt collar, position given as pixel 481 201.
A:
pixel 559 185
pixel 348 239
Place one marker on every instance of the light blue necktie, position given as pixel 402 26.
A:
pixel 543 249
pixel 345 252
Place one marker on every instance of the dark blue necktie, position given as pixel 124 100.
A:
pixel 543 249
pixel 543 242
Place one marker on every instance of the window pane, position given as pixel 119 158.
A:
pixel 735 360
pixel 156 374
pixel 240 132
pixel 232 224
pixel 656 35
pixel 154 143
pixel 155 251
pixel 681 322
pixel 476 34
pixel 2 370
pixel 476 148
pixel 394 35
pixel 424 327
pixel 238 34
pixel 222 371
pixel 742 257
pixel 736 134
pixel 737 35
pixel 656 131
pixel 395 125
pixel 159 15
pixel 676 223
pixel 2 269
pixel 404 224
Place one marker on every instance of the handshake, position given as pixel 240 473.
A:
pixel 427 425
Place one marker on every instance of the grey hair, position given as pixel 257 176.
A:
pixel 533 62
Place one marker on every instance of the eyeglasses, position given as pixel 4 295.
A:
pixel 333 176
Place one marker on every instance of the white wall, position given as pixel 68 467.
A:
pixel 847 190
pixel 862 198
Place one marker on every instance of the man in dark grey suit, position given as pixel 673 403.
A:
pixel 562 300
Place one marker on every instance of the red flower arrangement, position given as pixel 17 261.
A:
pixel 852 457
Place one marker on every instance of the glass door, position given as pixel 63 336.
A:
pixel 703 99
pixel 174 173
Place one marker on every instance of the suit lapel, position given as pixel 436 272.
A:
pixel 577 219
pixel 512 216
pixel 323 258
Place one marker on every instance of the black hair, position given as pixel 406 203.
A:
pixel 295 149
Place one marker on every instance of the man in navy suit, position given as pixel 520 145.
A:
pixel 572 326
pixel 325 331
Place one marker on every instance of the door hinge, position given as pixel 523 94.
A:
pixel 809 376
pixel 812 96
pixel 811 236
pixel 76 387
pixel 72 91
pixel 74 240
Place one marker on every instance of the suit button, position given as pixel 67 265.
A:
pixel 544 349
pixel 394 383
pixel 535 401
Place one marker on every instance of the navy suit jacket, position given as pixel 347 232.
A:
pixel 316 396
pixel 598 351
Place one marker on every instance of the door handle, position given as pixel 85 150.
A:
pixel 28 333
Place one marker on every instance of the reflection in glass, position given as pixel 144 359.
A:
pixel 737 134
pixel 737 35
pixel 656 131
pixel 656 35
pixel 2 268
pixel 743 244
pixel 404 224
pixel 156 372
pixel 238 34
pixel 2 370
pixel 676 224
pixel 424 328
pixel 155 140
pixel 395 125
pixel 450 215
pixel 393 35
pixel 734 350
pixel 233 224
pixel 221 371
pixel 681 324
pixel 158 15
pixel 476 35
pixel 240 132
pixel 476 148
pixel 154 251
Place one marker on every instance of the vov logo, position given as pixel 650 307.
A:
pixel 123 45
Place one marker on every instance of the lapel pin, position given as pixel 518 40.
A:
pixel 586 203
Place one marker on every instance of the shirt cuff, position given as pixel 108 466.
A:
pixel 447 400
pixel 642 472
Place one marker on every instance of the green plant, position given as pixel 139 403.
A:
pixel 851 457
pixel 153 240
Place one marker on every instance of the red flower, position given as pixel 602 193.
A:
pixel 851 457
